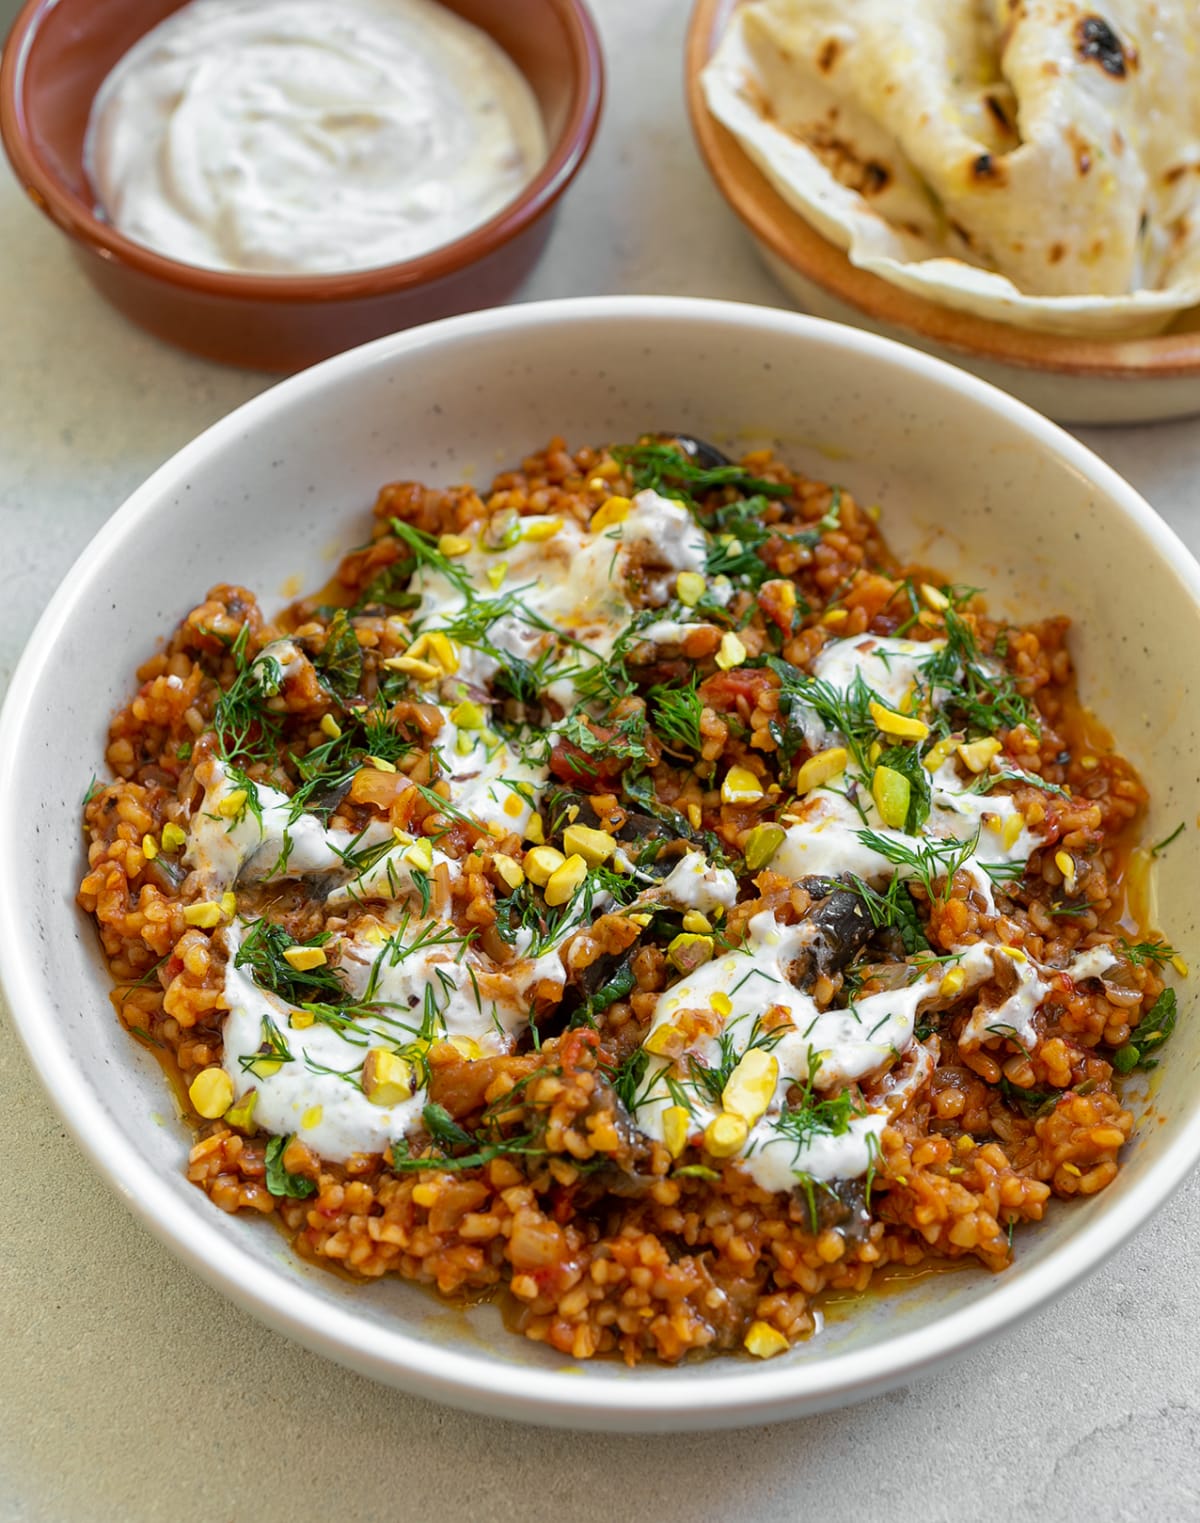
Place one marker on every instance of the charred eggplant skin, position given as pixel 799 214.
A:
pixel 707 456
pixel 841 928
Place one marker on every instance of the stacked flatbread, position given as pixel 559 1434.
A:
pixel 1034 161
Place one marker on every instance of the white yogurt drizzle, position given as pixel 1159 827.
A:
pixel 569 604
pixel 826 1050
pixel 561 600
pixel 422 988
pixel 288 137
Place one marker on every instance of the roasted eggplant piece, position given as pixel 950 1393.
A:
pixel 707 456
pixel 841 928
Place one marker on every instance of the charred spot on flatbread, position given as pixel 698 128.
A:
pixel 1081 149
pixel 995 109
pixel 961 232
pixel 1096 42
pixel 988 170
pixel 828 55
pixel 867 176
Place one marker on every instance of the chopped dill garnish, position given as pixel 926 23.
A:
pixel 737 533
pixel 801 1123
pixel 675 715
pixel 986 781
pixel 327 771
pixel 1158 953
pixel 611 679
pixel 710 1080
pixel 848 713
pixel 262 952
pixel 272 1051
pixel 1162 845
pixel 931 861
pixel 974 698
pixel 423 555
pixel 667 470
pixel 524 914
pixel 246 730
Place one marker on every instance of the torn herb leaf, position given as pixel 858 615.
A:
pixel 339 662
pixel 1150 1033
pixel 279 1180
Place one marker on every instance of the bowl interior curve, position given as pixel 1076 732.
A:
pixel 969 481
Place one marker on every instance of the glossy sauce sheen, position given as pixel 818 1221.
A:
pixel 310 136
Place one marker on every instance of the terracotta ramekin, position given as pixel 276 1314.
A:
pixel 60 51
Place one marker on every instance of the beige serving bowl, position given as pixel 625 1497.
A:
pixel 1017 507
pixel 1074 380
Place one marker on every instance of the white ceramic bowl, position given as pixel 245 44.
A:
pixel 969 478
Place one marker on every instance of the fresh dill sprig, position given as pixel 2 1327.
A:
pixel 675 715
pixel 972 697
pixel 1157 953
pixel 245 728
pixel 262 951
pixel 667 470
pixel 986 781
pixel 812 1118
pixel 846 713
pixel 737 532
pixel 930 861
pixel 328 769
pixel 423 555
pixel 272 1051
pixel 710 1079
pixel 609 680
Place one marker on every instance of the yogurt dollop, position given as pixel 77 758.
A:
pixel 306 136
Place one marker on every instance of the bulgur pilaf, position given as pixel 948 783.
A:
pixel 634 891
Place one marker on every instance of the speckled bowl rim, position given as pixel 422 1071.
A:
pixel 76 217
pixel 201 1238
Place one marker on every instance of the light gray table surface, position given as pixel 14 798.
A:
pixel 130 1391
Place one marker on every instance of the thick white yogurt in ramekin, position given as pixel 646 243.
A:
pixel 294 137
